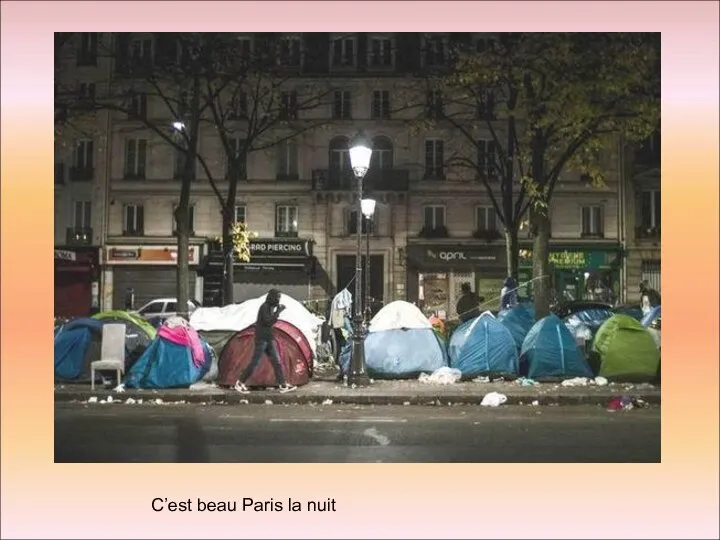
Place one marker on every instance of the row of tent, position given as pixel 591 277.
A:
pixel 401 343
pixel 225 335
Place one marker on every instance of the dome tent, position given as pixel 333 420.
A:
pixel 626 350
pixel 519 320
pixel 549 351
pixel 401 343
pixel 483 346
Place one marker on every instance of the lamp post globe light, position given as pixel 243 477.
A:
pixel 360 151
pixel 368 209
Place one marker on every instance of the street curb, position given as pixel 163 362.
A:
pixel 261 397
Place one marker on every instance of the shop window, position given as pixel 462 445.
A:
pixel 592 222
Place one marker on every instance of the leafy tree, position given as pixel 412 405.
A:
pixel 563 101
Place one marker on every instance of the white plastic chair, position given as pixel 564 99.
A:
pixel 112 353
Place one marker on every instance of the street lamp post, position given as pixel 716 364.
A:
pixel 368 209
pixel 360 152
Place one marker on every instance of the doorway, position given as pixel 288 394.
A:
pixel 346 271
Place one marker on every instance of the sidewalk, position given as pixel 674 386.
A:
pixel 407 392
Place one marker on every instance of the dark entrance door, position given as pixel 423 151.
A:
pixel 346 271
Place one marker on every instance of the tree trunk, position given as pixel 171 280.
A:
pixel 512 249
pixel 228 258
pixel 541 267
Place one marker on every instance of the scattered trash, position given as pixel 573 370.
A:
pixel 525 381
pixel 158 401
pixel 406 403
pixel 103 401
pixel 92 399
pixel 620 403
pixel 129 401
pixel 493 399
pixel 139 401
pixel 535 403
pixel 443 375
pixel 499 379
pixel 244 402
pixel 577 381
pixel 202 385
pixel 120 388
pixel 601 381
pixel 482 379
pixel 327 402
pixel 109 399
pixel 268 402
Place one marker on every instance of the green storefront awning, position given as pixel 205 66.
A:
pixel 574 258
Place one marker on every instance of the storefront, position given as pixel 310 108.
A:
pixel 435 274
pixel 137 274
pixel 578 272
pixel 282 263
pixel 77 281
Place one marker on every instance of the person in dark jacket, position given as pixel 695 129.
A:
pixel 508 294
pixel 265 343
pixel 468 307
pixel 649 297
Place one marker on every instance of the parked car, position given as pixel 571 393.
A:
pixel 156 311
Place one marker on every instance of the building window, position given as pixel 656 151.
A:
pixel 342 105
pixel 240 213
pixel 86 91
pixel 434 158
pixel 485 104
pixel 87 51
pixel 138 106
pixel 650 214
pixel 59 173
pixel 486 160
pixel 382 154
pixel 244 45
pixel 180 160
pixel 339 161
pixel 650 272
pixel 286 221
pixel 83 158
pixel 343 52
pixel 82 215
pixel 381 104
pixel 592 221
pixel 367 224
pixel 239 106
pixel 433 217
pixel 141 51
pixel 287 166
pixel 434 104
pixel 289 53
pixel 380 52
pixel 133 220
pixel 288 106
pixel 237 165
pixel 486 219
pixel 135 158
pixel 191 219
pixel 435 50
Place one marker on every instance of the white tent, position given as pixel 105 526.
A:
pixel 238 317
pixel 397 315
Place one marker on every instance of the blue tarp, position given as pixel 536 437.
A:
pixel 71 348
pixel 592 318
pixel 483 346
pixel 167 365
pixel 651 316
pixel 519 321
pixel 400 353
pixel 550 351
pixel 632 311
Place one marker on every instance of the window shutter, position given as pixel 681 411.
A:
pixel 440 156
pixel 140 220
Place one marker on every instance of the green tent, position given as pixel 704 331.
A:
pixel 126 317
pixel 626 349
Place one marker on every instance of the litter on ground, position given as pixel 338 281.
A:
pixel 443 375
pixel 576 381
pixel 493 399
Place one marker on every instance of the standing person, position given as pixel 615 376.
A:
pixel 468 306
pixel 649 297
pixel 265 343
pixel 508 294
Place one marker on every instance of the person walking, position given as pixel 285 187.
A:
pixel 265 343
pixel 649 297
pixel 508 294
pixel 468 307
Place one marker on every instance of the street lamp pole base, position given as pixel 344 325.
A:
pixel 357 375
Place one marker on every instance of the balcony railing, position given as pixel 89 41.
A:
pixel 375 180
pixel 647 233
pixel 286 234
pixel 76 236
pixel 81 174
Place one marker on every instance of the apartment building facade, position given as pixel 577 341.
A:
pixel 434 227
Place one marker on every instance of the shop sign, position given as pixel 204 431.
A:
pixel 280 248
pixel 65 255
pixel 457 255
pixel 571 259
pixel 165 255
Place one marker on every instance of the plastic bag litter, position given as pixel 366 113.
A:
pixel 482 379
pixel 601 381
pixel 525 381
pixel 443 375
pixel 577 381
pixel 493 399
pixel 202 385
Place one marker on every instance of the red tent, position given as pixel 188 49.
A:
pixel 294 350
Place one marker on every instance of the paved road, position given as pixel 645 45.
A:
pixel 337 434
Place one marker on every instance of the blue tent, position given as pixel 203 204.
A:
pixel 76 345
pixel 519 320
pixel 167 365
pixel 483 346
pixel 400 353
pixel 651 316
pixel 550 351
